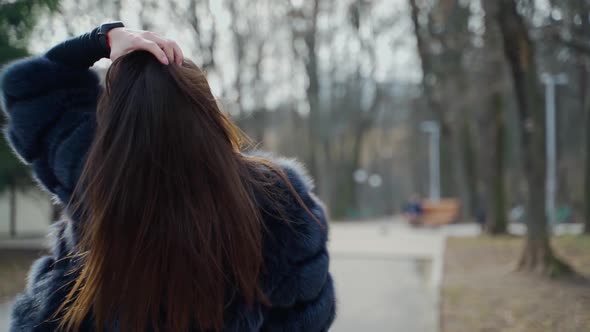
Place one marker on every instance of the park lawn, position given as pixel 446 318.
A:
pixel 482 292
pixel 14 266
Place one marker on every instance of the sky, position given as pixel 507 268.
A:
pixel 396 56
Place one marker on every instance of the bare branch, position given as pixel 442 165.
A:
pixel 577 45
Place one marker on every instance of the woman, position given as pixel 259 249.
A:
pixel 170 227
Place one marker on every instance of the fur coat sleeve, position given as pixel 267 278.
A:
pixel 51 118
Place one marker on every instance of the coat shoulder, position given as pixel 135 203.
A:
pixel 296 274
pixel 37 75
pixel 295 171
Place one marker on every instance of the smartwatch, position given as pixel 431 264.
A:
pixel 104 29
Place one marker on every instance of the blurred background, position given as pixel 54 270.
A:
pixel 448 139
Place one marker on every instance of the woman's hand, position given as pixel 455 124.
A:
pixel 124 41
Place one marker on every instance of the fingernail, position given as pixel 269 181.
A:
pixel 165 60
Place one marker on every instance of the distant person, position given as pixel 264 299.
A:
pixel 480 212
pixel 481 217
pixel 171 226
pixel 413 210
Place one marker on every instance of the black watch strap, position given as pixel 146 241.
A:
pixel 104 29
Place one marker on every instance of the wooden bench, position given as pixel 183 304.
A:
pixel 442 212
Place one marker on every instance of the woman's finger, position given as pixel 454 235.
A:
pixel 165 44
pixel 178 56
pixel 167 47
pixel 153 48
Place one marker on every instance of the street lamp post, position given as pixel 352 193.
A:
pixel 551 81
pixel 433 129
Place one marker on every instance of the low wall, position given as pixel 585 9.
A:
pixel 33 213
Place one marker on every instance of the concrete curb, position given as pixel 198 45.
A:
pixel 41 243
pixel 5 311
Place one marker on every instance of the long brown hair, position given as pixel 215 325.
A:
pixel 168 218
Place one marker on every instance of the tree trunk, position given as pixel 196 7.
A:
pixel 450 79
pixel 491 125
pixel 492 204
pixel 461 169
pixel 498 220
pixel 428 90
pixel 468 138
pixel 427 68
pixel 12 194
pixel 584 8
pixel 239 45
pixel 313 95
pixel 587 175
pixel 520 54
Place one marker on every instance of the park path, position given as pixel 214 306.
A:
pixel 4 316
pixel 387 276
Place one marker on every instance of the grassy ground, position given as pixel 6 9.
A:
pixel 14 266
pixel 481 291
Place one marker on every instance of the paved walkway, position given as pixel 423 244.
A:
pixel 4 316
pixel 387 276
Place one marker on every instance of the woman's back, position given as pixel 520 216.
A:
pixel 295 276
pixel 172 227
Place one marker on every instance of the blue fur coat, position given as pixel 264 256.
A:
pixel 51 122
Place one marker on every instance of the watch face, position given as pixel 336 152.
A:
pixel 108 26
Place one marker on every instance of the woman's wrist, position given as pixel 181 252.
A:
pixel 105 29
pixel 82 51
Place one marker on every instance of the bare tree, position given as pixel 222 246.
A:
pixel 205 40
pixel 442 43
pixel 249 37
pixel 520 54
pixel 428 71
pixel 148 7
pixel 304 21
pixel 491 123
pixel 587 175
pixel 240 50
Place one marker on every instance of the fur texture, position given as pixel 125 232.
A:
pixel 51 111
